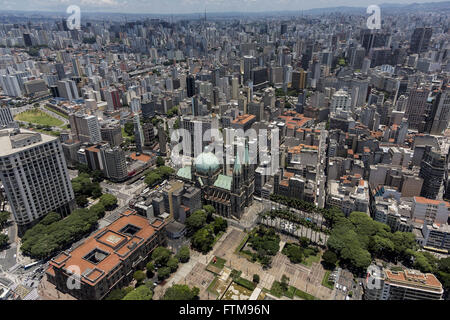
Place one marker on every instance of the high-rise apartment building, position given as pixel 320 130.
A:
pixel 34 173
pixel 432 170
pixel 85 128
pixel 420 39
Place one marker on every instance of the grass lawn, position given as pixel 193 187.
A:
pixel 303 295
pixel 292 291
pixel 325 281
pixel 219 263
pixel 39 117
pixel 310 259
pixel 212 287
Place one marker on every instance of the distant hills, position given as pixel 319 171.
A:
pixel 387 7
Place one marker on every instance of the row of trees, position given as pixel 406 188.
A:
pixel 291 217
pixel 53 234
pixel 203 228
pixel 165 263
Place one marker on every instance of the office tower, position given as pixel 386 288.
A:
pixel 6 118
pixel 138 134
pixel 415 108
pixel 111 132
pixel 190 86
pixel 34 173
pixel 112 98
pixel 115 165
pixel 76 67
pixel 197 107
pixel 442 114
pixel 249 62
pixel 148 108
pixel 234 88
pixel 432 170
pixel 60 71
pixel 149 134
pixel 35 86
pixel 68 89
pixel 196 128
pixel 27 40
pixel 259 75
pixel 283 28
pixel 162 140
pixel 85 128
pixel 256 109
pixel 385 284
pixel 420 40
pixel 299 79
pixel 10 85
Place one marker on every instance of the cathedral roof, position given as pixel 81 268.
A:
pixel 223 182
pixel 205 162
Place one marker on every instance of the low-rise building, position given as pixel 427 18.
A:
pixel 107 259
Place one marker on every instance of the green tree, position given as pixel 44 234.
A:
pixel 139 276
pixel 183 254
pixel 50 218
pixel 3 240
pixel 203 239
pixel 256 278
pixel 329 259
pixel 181 292
pixel 140 293
pixel 150 267
pixel 81 200
pixel 97 209
pixel 119 294
pixel 109 201
pixel 220 224
pixel 173 264
pixel 161 256
pixel 152 178
pixel 129 128
pixel 163 273
pixel 195 221
pixel 160 161
pixel 4 216
pixel 98 176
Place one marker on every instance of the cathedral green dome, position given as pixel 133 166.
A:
pixel 205 162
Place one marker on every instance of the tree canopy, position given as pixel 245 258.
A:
pixel 140 293
pixel 181 292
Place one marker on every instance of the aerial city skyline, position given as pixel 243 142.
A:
pixel 210 150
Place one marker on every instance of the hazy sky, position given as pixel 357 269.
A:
pixel 187 6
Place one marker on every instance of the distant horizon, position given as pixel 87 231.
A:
pixel 173 7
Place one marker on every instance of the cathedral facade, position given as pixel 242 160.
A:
pixel 228 194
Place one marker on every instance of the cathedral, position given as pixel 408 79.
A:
pixel 228 194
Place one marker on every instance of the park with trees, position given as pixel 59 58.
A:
pixel 203 229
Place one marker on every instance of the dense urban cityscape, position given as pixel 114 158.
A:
pixel 292 155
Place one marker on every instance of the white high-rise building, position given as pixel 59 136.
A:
pixel 10 85
pixel 34 173
pixel 341 100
